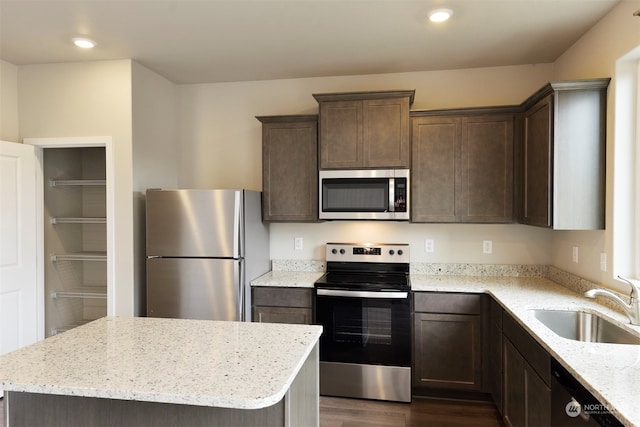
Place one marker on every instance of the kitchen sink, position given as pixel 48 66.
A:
pixel 584 326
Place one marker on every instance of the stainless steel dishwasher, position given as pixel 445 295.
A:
pixel 573 405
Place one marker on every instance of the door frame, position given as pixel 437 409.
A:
pixel 41 144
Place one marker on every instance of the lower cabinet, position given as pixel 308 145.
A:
pixel 447 348
pixel 527 392
pixel 283 305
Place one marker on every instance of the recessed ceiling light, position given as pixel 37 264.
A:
pixel 84 43
pixel 440 15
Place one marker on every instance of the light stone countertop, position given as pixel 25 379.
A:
pixel 288 279
pixel 195 362
pixel 610 371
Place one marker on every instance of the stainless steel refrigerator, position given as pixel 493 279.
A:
pixel 203 249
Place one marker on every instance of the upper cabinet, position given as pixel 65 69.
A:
pixel 289 168
pixel 364 129
pixel 462 165
pixel 563 156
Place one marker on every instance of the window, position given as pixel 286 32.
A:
pixel 626 163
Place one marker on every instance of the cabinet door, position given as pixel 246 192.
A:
pixel 341 139
pixel 486 194
pixel 538 396
pixel 514 407
pixel 434 167
pixel 386 132
pixel 290 171
pixel 447 351
pixel 538 172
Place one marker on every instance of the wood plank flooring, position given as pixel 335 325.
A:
pixel 423 412
pixel 339 412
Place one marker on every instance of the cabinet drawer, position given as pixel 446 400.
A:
pixel 533 352
pixel 283 297
pixel 444 302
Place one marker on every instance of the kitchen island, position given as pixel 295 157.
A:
pixel 154 372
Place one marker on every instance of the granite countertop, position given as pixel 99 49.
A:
pixel 195 362
pixel 610 371
pixel 288 279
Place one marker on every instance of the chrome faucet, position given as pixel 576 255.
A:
pixel 632 309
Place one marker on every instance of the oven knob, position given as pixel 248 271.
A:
pixel 400 252
pixel 391 252
pixel 341 251
pixel 334 251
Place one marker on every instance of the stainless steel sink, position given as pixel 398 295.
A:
pixel 583 326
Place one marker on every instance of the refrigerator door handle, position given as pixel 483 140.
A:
pixel 237 221
pixel 238 279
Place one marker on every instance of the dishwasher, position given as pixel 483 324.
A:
pixel 573 405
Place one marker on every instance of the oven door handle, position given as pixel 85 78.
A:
pixel 362 294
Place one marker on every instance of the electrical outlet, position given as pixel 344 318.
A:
pixel 574 255
pixel 298 243
pixel 429 245
pixel 603 261
pixel 487 246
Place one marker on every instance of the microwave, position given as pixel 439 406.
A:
pixel 378 194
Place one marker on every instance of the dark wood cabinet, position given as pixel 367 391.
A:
pixel 290 168
pixel 462 165
pixel 493 362
pixel 527 393
pixel 282 305
pixel 563 156
pixel 364 129
pixel 447 348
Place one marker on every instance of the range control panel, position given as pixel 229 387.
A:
pixel 368 252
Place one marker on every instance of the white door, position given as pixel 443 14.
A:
pixel 19 307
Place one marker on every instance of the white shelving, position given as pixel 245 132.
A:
pixel 75 237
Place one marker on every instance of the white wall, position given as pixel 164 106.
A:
pixel 155 154
pixel 89 99
pixel 220 146
pixel 596 55
pixel 8 102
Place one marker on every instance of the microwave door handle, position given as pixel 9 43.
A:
pixel 392 195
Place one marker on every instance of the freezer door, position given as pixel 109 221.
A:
pixel 208 289
pixel 194 223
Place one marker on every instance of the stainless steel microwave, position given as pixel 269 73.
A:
pixel 379 194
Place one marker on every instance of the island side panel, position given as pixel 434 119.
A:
pixel 302 401
pixel 32 409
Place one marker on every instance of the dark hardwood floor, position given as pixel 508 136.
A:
pixel 339 412
pixel 423 412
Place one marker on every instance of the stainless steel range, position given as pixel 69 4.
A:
pixel 363 303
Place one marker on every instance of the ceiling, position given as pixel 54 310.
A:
pixel 206 41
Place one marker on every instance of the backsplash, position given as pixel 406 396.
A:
pixel 463 269
pixel 310 266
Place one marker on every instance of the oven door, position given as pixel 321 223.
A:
pixel 371 328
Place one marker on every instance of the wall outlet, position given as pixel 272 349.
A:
pixel 487 246
pixel 603 261
pixel 429 245
pixel 298 243
pixel 574 255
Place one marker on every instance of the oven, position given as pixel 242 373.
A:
pixel 363 304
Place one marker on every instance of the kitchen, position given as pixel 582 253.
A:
pixel 220 146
